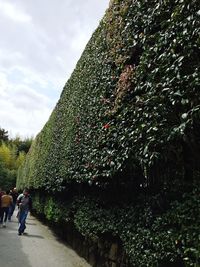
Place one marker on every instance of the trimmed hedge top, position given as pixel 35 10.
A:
pixel 132 99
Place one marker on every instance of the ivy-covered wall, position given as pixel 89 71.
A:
pixel 131 102
pixel 160 230
pixel 129 116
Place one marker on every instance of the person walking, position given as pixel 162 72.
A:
pixel 1 194
pixel 14 195
pixel 6 202
pixel 24 203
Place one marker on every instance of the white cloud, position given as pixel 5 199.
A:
pixel 40 44
pixel 23 97
pixel 23 110
pixel 3 85
pixel 13 12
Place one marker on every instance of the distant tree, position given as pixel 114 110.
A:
pixel 9 164
pixel 3 135
pixel 7 177
pixel 12 154
pixel 20 159
pixel 3 175
pixel 22 145
pixel 25 145
pixel 8 155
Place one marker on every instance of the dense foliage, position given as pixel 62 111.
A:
pixel 3 135
pixel 132 101
pixel 157 230
pixel 12 155
pixel 128 118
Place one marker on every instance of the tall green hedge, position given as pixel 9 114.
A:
pixel 156 231
pixel 129 115
pixel 132 101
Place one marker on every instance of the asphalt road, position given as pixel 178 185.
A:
pixel 38 247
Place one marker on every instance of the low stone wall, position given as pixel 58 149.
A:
pixel 105 251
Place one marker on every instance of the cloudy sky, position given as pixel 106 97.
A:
pixel 40 44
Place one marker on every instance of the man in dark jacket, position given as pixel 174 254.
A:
pixel 24 202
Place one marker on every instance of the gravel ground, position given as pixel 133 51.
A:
pixel 37 247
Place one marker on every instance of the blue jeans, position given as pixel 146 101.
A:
pixel 4 211
pixel 11 210
pixel 22 221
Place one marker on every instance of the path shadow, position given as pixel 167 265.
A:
pixel 30 218
pixel 28 223
pixel 12 222
pixel 31 235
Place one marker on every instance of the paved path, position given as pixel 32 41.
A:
pixel 38 247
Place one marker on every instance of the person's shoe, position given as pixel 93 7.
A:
pixel 4 224
pixel 19 233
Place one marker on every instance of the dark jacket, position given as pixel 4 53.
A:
pixel 24 202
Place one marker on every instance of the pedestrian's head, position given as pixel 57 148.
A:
pixel 14 189
pixel 26 192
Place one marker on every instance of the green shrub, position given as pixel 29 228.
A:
pixel 150 234
pixel 131 103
